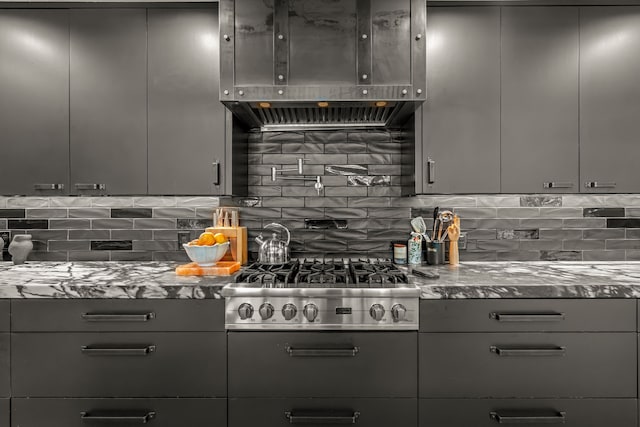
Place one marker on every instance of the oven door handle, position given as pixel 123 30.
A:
pixel 322 352
pixel 330 417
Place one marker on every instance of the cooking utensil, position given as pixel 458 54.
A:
pixel 444 217
pixel 436 211
pixel 274 250
pixel 418 225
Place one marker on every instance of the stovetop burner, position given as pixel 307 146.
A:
pixel 335 273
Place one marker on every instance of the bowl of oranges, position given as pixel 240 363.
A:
pixel 207 249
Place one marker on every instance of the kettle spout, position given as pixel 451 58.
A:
pixel 259 239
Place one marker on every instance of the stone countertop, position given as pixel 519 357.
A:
pixel 532 280
pixel 105 280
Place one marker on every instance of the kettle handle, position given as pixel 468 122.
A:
pixel 276 225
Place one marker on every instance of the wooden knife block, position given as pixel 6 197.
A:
pixel 238 238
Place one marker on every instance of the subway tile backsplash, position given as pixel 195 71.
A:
pixel 358 214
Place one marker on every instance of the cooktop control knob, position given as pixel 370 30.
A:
pixel 266 311
pixel 245 311
pixel 398 312
pixel 377 312
pixel 310 311
pixel 289 311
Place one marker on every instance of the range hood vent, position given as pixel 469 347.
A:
pixel 322 64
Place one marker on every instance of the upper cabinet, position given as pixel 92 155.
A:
pixel 34 101
pixel 539 98
pixel 461 117
pixel 186 119
pixel 610 99
pixel 108 101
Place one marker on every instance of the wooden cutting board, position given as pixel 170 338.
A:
pixel 222 268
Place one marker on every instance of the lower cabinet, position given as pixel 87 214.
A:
pixel 122 412
pixel 320 412
pixel 112 364
pixel 532 412
pixel 5 418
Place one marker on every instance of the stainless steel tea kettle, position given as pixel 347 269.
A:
pixel 273 250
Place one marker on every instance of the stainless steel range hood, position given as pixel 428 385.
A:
pixel 322 64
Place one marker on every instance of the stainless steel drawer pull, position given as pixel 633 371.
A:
pixel 322 417
pixel 90 186
pixel 527 317
pixel 125 417
pixel 528 417
pixel 118 317
pixel 557 185
pixel 527 351
pixel 595 184
pixel 117 351
pixel 48 186
pixel 322 352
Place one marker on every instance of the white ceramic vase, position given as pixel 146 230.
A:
pixel 20 247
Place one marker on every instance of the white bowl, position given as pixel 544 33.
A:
pixel 206 256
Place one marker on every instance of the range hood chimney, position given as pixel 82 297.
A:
pixel 322 64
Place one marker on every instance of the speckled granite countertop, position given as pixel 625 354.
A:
pixel 469 280
pixel 104 280
pixel 533 280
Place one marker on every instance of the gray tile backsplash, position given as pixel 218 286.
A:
pixel 358 213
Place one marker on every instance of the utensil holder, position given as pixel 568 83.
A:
pixel 435 253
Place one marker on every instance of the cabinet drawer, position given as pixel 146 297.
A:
pixel 532 412
pixel 5 419
pixel 519 315
pixel 73 315
pixel 108 364
pixel 156 412
pixel 528 365
pixel 5 357
pixel 287 412
pixel 323 364
pixel 5 310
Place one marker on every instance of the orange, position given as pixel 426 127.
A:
pixel 220 238
pixel 193 243
pixel 206 239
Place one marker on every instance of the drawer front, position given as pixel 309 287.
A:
pixel 323 364
pixel 5 357
pixel 530 412
pixel 5 419
pixel 87 315
pixel 118 412
pixel 286 412
pixel 528 365
pixel 5 311
pixel 109 364
pixel 513 315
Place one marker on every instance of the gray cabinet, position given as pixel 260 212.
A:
pixel 461 117
pixel 539 114
pixel 5 408
pixel 609 99
pixel 34 101
pixel 186 119
pixel 108 101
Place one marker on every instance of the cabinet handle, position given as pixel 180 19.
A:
pixel 118 317
pixel 216 172
pixel 322 352
pixel 527 317
pixel 138 417
pixel 322 417
pixel 595 184
pixel 431 171
pixel 527 352
pixel 90 186
pixel 115 351
pixel 528 417
pixel 557 185
pixel 48 186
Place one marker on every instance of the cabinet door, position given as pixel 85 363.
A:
pixel 186 118
pixel 108 100
pixel 34 100
pixel 5 419
pixel 539 125
pixel 609 99
pixel 461 117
